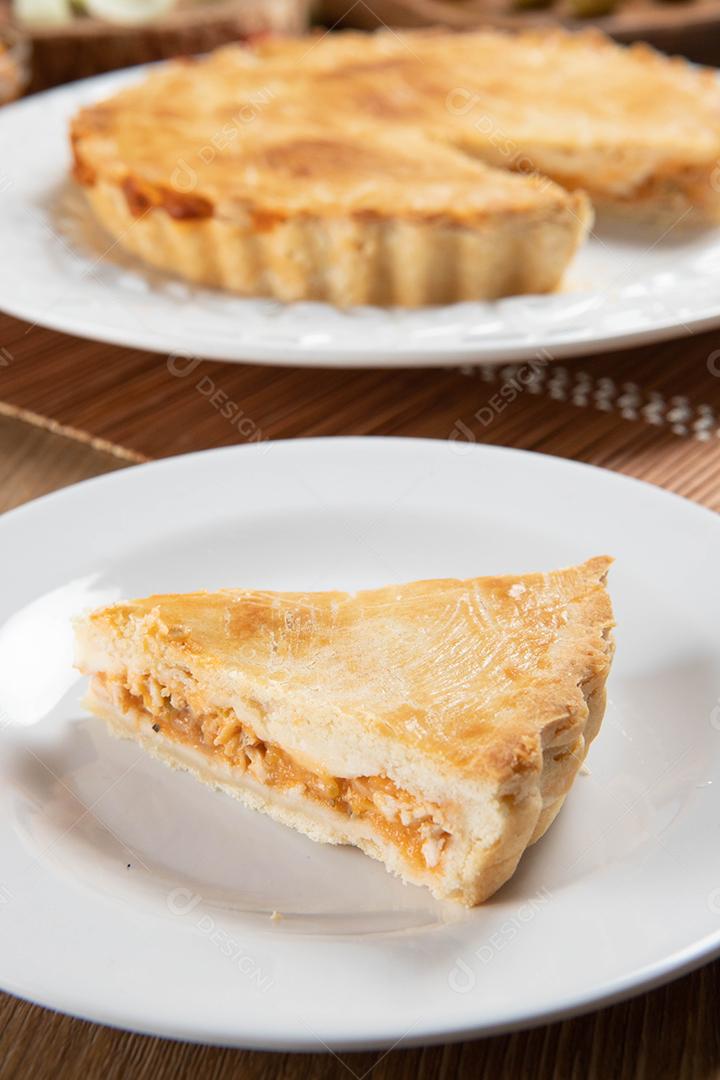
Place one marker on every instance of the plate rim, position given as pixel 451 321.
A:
pixel 649 978
pixel 359 440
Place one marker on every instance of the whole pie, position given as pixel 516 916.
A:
pixel 396 169
pixel 438 726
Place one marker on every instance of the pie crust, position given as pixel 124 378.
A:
pixel 346 217
pixel 392 169
pixel 438 726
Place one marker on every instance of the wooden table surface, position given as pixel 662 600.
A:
pixel 71 409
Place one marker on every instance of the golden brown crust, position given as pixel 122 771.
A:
pixel 350 259
pixel 337 168
pixel 477 699
pixel 264 147
pixel 316 170
pixel 576 107
pixel 439 665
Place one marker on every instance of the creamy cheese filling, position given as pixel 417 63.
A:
pixel 396 816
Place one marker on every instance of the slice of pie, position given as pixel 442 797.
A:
pixel 438 726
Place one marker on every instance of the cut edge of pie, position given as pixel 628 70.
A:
pixel 300 705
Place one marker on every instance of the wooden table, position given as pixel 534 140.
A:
pixel 71 409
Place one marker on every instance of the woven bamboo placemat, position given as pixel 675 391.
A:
pixel 653 412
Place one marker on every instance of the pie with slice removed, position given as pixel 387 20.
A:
pixel 438 725
pixel 396 169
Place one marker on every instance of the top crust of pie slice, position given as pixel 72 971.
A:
pixel 478 698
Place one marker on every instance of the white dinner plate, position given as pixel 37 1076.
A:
pixel 59 269
pixel 132 895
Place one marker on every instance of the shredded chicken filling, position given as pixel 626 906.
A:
pixel 394 814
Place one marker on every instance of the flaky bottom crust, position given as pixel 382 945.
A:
pixel 348 262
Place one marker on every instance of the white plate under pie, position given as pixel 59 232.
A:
pixel 134 896
pixel 59 269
